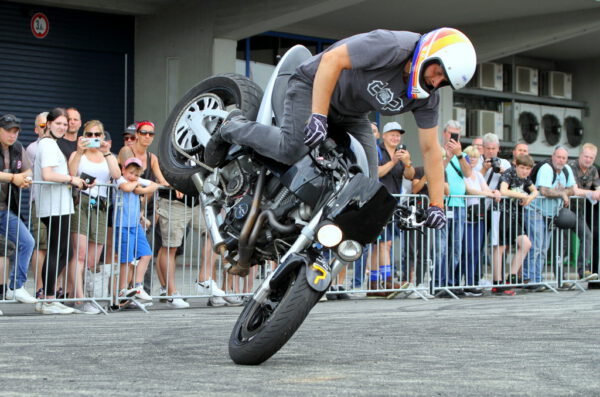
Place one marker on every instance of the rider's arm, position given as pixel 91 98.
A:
pixel 434 171
pixel 329 70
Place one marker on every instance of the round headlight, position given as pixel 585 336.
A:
pixel 349 250
pixel 329 235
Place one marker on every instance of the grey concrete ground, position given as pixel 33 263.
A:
pixel 532 344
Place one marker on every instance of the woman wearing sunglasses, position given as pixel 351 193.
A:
pixel 95 164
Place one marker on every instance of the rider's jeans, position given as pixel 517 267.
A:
pixel 15 231
pixel 286 143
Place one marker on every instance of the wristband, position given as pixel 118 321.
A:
pixel 436 205
pixel 108 154
pixel 408 165
pixel 459 156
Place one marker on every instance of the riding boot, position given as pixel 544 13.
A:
pixel 217 148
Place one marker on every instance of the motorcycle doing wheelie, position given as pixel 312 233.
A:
pixel 257 210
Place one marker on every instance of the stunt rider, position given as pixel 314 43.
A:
pixel 390 72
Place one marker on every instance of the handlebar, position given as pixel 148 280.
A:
pixel 409 217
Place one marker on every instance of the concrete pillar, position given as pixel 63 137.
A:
pixel 223 56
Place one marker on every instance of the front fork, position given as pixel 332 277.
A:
pixel 304 240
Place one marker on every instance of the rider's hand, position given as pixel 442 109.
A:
pixel 316 130
pixel 436 218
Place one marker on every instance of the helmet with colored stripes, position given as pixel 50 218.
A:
pixel 449 48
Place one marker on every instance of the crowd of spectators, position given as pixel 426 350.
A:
pixel 91 206
pixel 508 223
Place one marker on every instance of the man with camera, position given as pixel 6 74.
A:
pixel 394 163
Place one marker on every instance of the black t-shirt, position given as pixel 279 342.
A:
pixel 521 185
pixel 419 174
pixel 67 147
pixel 393 179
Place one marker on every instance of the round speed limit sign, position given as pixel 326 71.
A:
pixel 40 25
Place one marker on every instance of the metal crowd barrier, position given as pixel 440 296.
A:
pixel 462 258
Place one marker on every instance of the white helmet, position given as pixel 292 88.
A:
pixel 452 50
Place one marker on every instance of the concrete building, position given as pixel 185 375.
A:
pixel 159 49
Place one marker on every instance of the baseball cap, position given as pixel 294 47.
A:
pixel 133 160
pixel 8 121
pixel 393 126
pixel 130 130
pixel 107 136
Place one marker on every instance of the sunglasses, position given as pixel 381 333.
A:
pixel 93 134
pixel 145 133
pixel 129 138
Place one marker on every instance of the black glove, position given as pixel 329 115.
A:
pixel 436 218
pixel 315 130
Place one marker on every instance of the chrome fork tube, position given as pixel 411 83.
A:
pixel 306 237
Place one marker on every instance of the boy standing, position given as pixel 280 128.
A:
pixel 130 235
pixel 514 183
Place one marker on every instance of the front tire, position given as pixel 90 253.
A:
pixel 193 119
pixel 262 329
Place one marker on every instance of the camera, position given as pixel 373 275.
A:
pixel 495 161
pixel 94 142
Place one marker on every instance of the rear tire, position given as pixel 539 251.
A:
pixel 221 92
pixel 261 331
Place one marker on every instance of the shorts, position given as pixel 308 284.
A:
pixel 38 230
pixel 90 219
pixel 510 226
pixel 132 242
pixel 173 220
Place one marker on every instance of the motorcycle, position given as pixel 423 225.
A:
pixel 257 210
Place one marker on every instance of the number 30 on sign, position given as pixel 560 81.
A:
pixel 40 25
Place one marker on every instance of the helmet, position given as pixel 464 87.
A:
pixel 565 219
pixel 452 50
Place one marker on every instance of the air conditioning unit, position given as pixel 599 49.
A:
pixel 460 114
pixel 483 121
pixel 527 81
pixel 489 76
pixel 559 85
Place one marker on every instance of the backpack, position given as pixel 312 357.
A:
pixel 539 164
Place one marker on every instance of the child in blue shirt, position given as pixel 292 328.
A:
pixel 129 234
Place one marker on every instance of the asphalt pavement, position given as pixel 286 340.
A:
pixel 537 344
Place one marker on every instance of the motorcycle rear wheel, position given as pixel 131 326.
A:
pixel 192 116
pixel 263 329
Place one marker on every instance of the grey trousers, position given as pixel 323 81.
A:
pixel 285 144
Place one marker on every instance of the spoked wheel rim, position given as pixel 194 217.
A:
pixel 197 122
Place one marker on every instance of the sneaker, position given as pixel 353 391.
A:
pixel 343 295
pixel 141 294
pixel 233 300
pixel 503 291
pixel 38 307
pixel 216 301
pixel 473 292
pixel 56 308
pixel 217 148
pixel 87 308
pixel 21 295
pixel 177 303
pixel 163 292
pixel 209 287
pixel 590 277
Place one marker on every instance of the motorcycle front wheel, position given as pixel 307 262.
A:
pixel 195 118
pixel 263 329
